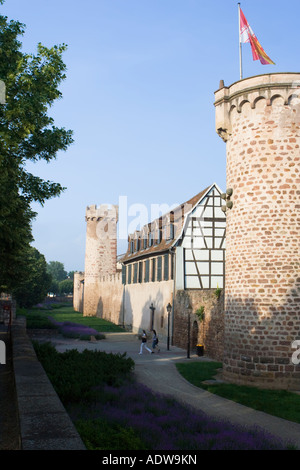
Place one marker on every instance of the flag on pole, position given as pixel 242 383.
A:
pixel 247 35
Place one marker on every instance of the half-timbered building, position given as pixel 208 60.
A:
pixel 186 245
pixel 182 251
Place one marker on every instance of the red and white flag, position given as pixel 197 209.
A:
pixel 247 35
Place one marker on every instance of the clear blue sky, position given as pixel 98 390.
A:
pixel 139 94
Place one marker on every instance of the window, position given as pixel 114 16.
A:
pixel 140 272
pixel 129 274
pixel 145 242
pixel 159 236
pixel 171 231
pixel 153 270
pixel 166 267
pixel 159 268
pixel 138 244
pixel 147 270
pixel 135 272
pixel 123 274
pixel 150 238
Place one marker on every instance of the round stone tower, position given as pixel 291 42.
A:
pixel 259 119
pixel 100 252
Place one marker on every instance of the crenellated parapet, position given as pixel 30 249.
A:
pixel 270 88
pixel 104 211
pixel 111 278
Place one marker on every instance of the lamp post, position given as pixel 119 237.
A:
pixel 152 316
pixel 169 309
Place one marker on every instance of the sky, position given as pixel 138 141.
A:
pixel 139 97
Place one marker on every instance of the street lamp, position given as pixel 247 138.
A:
pixel 169 309
pixel 152 308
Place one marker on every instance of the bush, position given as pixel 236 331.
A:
pixel 79 376
pixel 99 434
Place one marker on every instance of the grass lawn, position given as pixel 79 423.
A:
pixel 279 403
pixel 38 318
pixel 99 324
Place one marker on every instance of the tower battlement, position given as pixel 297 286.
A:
pixel 284 87
pixel 104 211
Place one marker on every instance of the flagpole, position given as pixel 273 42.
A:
pixel 240 43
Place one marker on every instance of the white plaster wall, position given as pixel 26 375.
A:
pixel 137 301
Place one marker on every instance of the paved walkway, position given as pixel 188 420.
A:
pixel 158 372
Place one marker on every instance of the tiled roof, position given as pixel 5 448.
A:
pixel 176 216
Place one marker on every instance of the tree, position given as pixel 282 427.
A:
pixel 54 287
pixel 27 133
pixel 35 286
pixel 57 270
pixel 71 275
pixel 66 287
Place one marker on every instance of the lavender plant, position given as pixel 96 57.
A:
pixel 162 423
pixel 75 330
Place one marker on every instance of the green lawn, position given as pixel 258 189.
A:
pixel 279 403
pixel 38 318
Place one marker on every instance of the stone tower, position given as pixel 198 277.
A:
pixel 259 119
pixel 100 252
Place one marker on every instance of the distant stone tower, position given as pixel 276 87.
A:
pixel 100 252
pixel 259 119
pixel 78 291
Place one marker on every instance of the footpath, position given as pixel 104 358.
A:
pixel 43 423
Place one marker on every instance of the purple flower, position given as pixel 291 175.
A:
pixel 164 424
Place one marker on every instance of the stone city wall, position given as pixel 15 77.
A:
pixel 210 331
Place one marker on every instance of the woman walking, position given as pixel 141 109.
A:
pixel 143 343
pixel 155 340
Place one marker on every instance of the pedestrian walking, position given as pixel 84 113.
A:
pixel 155 341
pixel 144 343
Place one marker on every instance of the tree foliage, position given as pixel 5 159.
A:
pixel 27 134
pixel 34 287
pixel 57 270
pixel 62 282
pixel 66 287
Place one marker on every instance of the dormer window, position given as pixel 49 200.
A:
pixel 159 235
pixel 145 242
pixel 150 238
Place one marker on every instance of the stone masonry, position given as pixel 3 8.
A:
pixel 259 119
pixel 210 331
pixel 100 253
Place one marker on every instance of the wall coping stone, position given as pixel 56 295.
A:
pixel 44 422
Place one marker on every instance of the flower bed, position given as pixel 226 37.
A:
pixel 74 330
pixel 162 423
